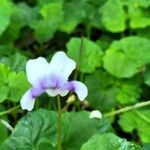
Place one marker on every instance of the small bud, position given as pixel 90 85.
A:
pixel 85 103
pixel 95 114
pixel 71 99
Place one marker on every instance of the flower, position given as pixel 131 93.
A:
pixel 95 114
pixel 51 78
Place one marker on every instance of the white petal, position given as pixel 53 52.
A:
pixel 36 69
pixel 27 101
pixel 63 92
pixel 62 65
pixel 79 88
pixel 54 92
pixel 95 114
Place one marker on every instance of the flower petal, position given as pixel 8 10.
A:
pixel 27 101
pixel 63 92
pixel 54 92
pixel 36 69
pixel 79 88
pixel 62 65
pixel 95 114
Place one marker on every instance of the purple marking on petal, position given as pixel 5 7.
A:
pixel 78 87
pixel 45 83
pixel 56 82
pixel 69 86
pixel 48 82
pixel 36 91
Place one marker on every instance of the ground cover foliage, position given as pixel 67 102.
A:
pixel 110 42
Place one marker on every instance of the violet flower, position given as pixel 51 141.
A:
pixel 51 78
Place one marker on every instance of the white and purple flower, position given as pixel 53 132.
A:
pixel 51 78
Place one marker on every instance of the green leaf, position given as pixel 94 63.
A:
pixel 5 13
pixel 138 13
pixel 91 56
pixel 18 85
pixel 4 74
pixel 39 129
pixel 113 16
pixel 22 15
pixel 105 91
pixel 12 84
pixel 139 120
pixel 129 90
pixel 101 90
pixel 109 141
pixel 32 131
pixel 52 11
pixel 3 129
pixel 146 146
pixel 77 122
pixel 126 57
pixel 44 30
pixel 45 27
pixel 147 76
pixel 71 20
pixel 16 61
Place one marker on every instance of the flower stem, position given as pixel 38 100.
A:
pixel 9 110
pixel 59 128
pixel 79 59
pixel 6 124
pixel 138 105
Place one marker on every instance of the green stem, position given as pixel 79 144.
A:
pixel 59 130
pixel 138 105
pixel 6 124
pixel 79 59
pixel 88 31
pixel 9 110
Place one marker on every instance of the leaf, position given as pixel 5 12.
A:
pixel 129 91
pixel 32 131
pixel 16 61
pixel 3 129
pixel 139 120
pixel 39 130
pixel 5 13
pixel 105 91
pixel 126 57
pixel 109 141
pixel 45 27
pixel 146 146
pixel 113 16
pixel 78 124
pixel 101 90
pixel 52 11
pixel 4 74
pixel 12 84
pixel 18 85
pixel 91 56
pixel 71 20
pixel 22 16
pixel 147 76
pixel 138 13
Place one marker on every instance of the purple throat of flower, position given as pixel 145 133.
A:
pixel 52 83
